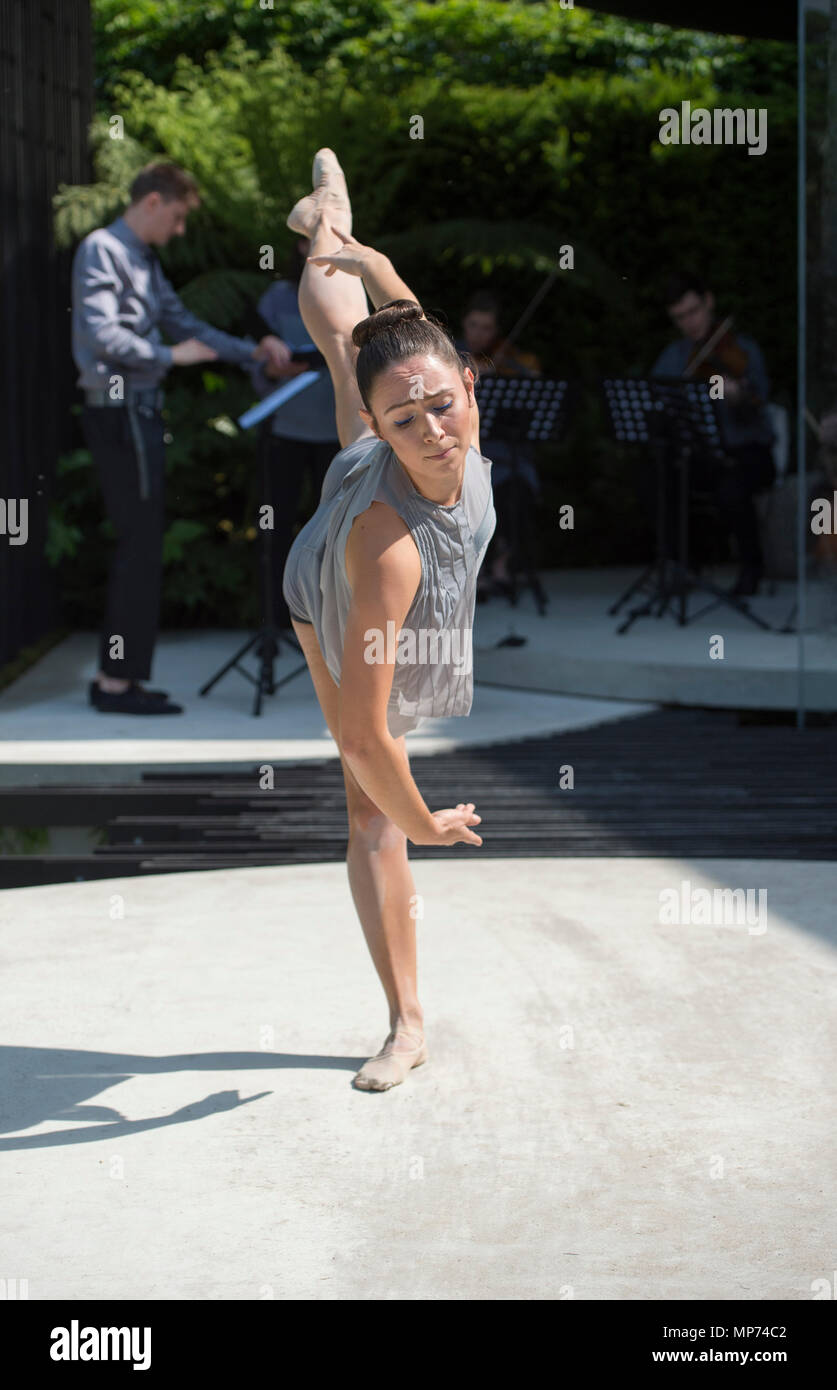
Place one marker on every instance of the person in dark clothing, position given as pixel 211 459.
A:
pixel 744 424
pixel 483 339
pixel 121 301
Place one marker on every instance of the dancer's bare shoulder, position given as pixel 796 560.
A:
pixel 381 555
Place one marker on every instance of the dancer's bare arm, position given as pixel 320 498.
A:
pixel 380 278
pixel 384 570
pixel 381 282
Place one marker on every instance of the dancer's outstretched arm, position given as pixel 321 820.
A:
pixel 380 278
pixel 384 570
pixel 381 281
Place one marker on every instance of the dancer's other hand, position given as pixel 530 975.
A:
pixel 352 256
pixel 452 825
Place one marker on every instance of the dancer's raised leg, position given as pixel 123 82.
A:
pixel 330 308
pixel 332 304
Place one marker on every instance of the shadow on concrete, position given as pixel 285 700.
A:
pixel 45 1083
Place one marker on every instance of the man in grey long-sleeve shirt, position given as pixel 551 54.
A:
pixel 121 301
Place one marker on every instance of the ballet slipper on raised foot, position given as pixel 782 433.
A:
pixel 329 195
pixel 390 1066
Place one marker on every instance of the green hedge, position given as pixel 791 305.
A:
pixel 540 129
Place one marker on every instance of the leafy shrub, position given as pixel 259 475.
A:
pixel 540 130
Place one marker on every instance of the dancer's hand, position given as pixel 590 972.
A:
pixel 352 256
pixel 452 825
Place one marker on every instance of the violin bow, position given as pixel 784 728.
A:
pixel 708 346
pixel 529 311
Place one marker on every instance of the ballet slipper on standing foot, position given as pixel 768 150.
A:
pixel 330 196
pixel 392 1063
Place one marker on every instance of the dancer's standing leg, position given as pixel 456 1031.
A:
pixel 383 891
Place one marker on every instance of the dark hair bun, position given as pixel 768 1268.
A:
pixel 388 316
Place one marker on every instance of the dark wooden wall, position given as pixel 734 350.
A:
pixel 46 103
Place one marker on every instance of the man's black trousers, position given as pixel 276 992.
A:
pixel 133 487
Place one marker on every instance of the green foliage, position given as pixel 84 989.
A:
pixel 540 130
pixel 209 541
pixel 223 298
pixel 29 656
pixel 78 536
pixel 385 43
pixel 78 208
pixel 150 35
pixel 24 839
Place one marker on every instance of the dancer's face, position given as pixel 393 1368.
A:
pixel 422 408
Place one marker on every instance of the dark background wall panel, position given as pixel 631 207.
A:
pixel 46 102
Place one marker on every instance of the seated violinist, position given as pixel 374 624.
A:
pixel 483 338
pixel 706 348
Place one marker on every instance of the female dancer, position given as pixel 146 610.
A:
pixel 393 550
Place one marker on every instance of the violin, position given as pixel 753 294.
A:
pixel 721 354
pixel 504 360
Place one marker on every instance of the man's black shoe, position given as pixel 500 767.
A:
pixel 131 701
pixel 155 694
pixel 134 685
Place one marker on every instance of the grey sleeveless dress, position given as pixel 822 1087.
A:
pixel 433 672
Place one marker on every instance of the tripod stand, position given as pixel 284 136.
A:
pixel 266 640
pixel 516 411
pixel 673 418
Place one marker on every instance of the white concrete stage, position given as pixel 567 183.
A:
pixel 575 648
pixel 613 1108
pixel 49 731
pixel 574 670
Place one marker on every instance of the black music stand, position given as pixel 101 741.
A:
pixel 518 410
pixel 266 639
pixel 673 418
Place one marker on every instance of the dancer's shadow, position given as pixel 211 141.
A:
pixel 48 1083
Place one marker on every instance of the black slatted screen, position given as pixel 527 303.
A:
pixel 46 102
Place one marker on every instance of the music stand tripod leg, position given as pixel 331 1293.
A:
pixel 683 547
pixel 266 638
pixel 233 661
